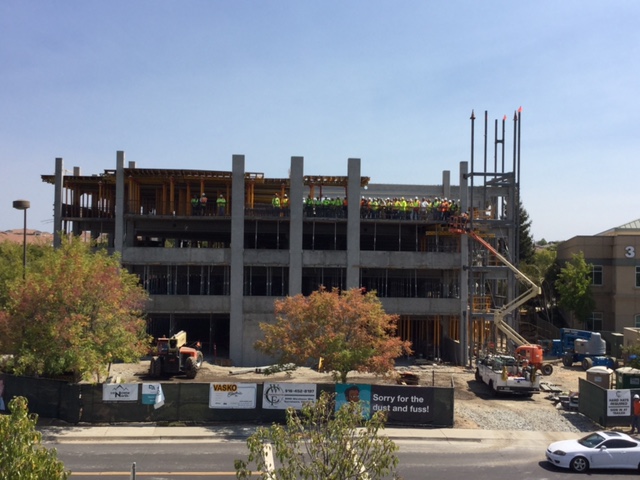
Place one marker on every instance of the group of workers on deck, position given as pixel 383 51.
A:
pixel 199 205
pixel 397 208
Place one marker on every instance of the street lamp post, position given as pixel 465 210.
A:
pixel 23 205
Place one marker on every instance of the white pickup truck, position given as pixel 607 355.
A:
pixel 504 374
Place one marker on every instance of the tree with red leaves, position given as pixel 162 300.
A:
pixel 76 312
pixel 348 330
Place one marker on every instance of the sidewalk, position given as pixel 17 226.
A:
pixel 153 433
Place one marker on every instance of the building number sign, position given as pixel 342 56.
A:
pixel 629 252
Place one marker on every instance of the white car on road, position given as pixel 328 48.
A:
pixel 604 449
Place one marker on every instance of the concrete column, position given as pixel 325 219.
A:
pixel 446 184
pixel 353 224
pixel 296 194
pixel 465 311
pixel 57 203
pixel 118 241
pixel 236 310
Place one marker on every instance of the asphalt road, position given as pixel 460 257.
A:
pixel 419 460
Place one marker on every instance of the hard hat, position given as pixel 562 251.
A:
pixel 636 396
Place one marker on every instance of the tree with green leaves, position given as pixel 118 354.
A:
pixel 76 312
pixel 574 287
pixel 526 244
pixel 632 353
pixel 21 452
pixel 347 330
pixel 11 264
pixel 543 270
pixel 320 444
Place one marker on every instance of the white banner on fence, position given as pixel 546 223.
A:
pixel 119 392
pixel 232 395
pixel 280 396
pixel 152 394
pixel 618 403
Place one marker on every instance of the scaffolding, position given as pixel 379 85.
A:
pixel 492 274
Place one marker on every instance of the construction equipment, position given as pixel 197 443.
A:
pixel 173 357
pixel 583 346
pixel 533 354
pixel 505 374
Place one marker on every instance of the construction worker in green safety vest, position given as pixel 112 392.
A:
pixel 373 205
pixel 435 208
pixel 221 204
pixel 308 206
pixel 275 203
pixel 195 205
pixel 337 207
pixel 404 208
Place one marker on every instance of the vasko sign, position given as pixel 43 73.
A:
pixel 225 387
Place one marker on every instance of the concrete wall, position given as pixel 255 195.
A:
pixel 176 256
pixel 445 261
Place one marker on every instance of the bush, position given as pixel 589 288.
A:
pixel 318 444
pixel 21 454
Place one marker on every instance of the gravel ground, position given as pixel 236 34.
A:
pixel 530 419
pixel 476 407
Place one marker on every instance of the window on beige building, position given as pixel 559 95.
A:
pixel 596 275
pixel 594 323
pixel 637 321
pixel 637 276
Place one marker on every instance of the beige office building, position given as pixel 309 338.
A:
pixel 615 259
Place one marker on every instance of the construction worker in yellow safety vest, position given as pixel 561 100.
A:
pixel 397 208
pixel 221 204
pixel 374 205
pixel 275 203
pixel 435 208
pixel 404 208
pixel 308 206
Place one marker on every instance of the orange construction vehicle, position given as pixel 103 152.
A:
pixel 534 355
pixel 173 357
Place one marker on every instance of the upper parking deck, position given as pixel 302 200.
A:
pixel 171 192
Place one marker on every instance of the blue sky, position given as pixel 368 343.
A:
pixel 187 84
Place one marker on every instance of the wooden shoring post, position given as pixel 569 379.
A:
pixel 130 197
pixel 172 206
pixel 99 203
pixel 249 193
pixel 189 195
pixel 163 210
